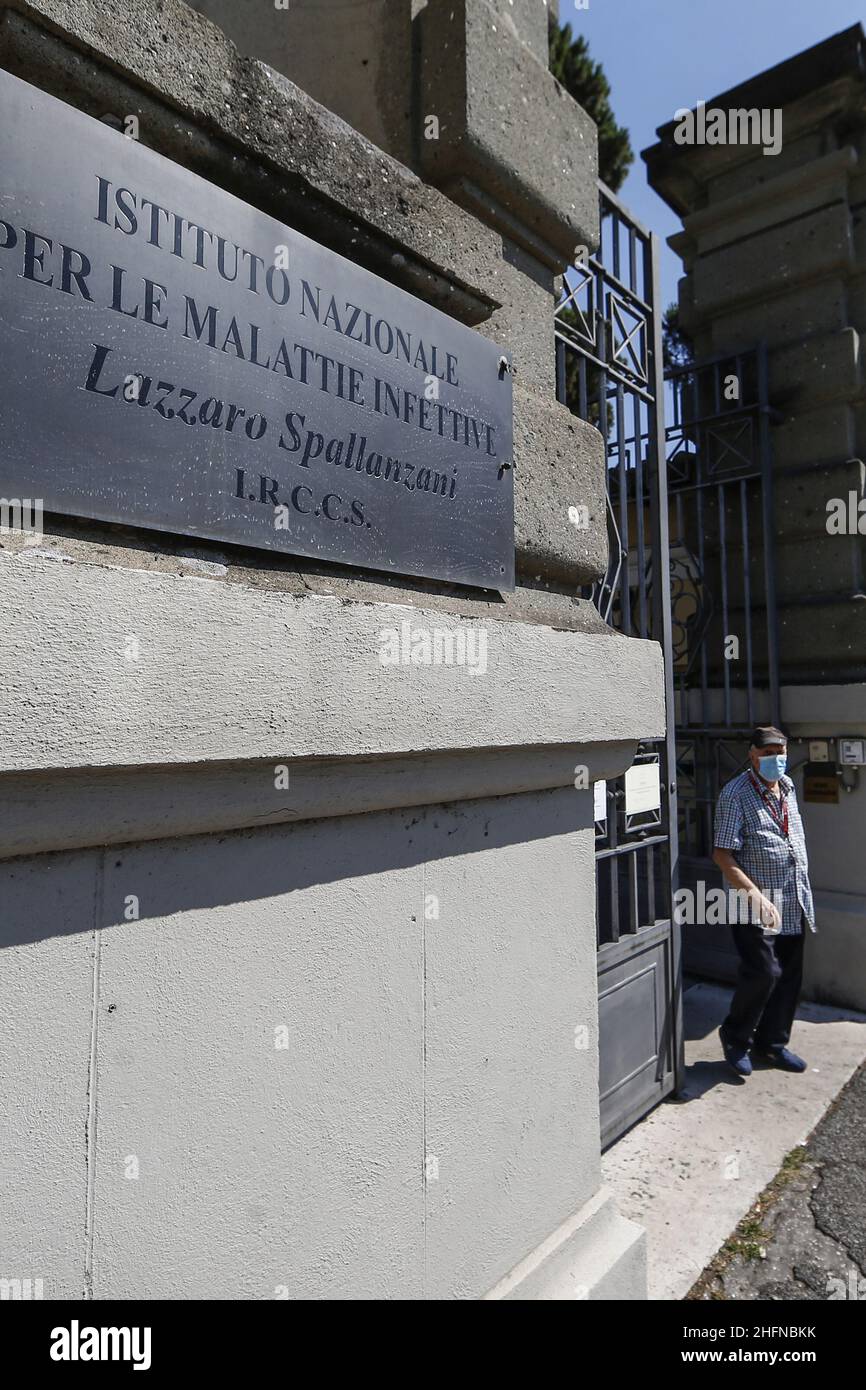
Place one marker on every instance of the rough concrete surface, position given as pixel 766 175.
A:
pixel 693 1168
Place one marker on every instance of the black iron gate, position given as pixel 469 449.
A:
pixel 610 372
pixel 725 644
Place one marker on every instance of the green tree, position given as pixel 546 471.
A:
pixel 584 79
pixel 677 346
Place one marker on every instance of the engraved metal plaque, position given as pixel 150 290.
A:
pixel 172 358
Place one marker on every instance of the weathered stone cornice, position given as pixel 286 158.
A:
pixel 252 131
pixel 771 201
pixel 821 87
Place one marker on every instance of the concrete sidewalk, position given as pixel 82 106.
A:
pixel 692 1169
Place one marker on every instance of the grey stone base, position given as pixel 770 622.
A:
pixel 595 1254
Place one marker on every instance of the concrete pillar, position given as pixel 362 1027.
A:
pixel 415 915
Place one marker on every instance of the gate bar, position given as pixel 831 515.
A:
pixel 663 629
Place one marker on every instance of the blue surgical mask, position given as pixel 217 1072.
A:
pixel 773 766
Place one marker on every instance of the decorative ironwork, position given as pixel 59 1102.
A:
pixel 628 337
pixel 609 372
pixel 724 620
pixel 691 606
pixel 575 322
pixel 722 441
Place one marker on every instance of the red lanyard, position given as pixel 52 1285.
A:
pixel 777 811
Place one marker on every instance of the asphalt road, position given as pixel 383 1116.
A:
pixel 805 1237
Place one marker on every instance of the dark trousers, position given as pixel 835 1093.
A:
pixel 768 987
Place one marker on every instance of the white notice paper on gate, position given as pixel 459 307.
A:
pixel 599 791
pixel 642 788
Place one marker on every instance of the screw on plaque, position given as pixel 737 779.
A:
pixel 502 467
pixel 506 366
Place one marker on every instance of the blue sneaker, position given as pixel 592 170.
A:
pixel 782 1058
pixel 736 1056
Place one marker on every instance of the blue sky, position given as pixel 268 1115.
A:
pixel 663 54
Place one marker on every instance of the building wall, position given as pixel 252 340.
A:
pixel 836 958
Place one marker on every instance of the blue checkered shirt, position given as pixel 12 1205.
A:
pixel 779 867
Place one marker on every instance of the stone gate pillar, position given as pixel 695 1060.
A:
pixel 774 250
pixel 413 919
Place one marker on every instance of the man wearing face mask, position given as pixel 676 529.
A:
pixel 760 848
